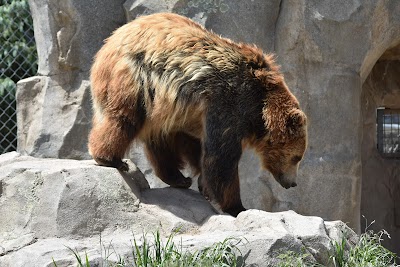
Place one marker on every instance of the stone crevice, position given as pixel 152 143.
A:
pixel 276 24
pixel 13 250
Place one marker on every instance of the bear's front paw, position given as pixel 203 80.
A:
pixel 115 163
pixel 123 166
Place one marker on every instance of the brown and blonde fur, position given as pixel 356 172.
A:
pixel 193 97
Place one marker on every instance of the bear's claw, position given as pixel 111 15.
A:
pixel 115 163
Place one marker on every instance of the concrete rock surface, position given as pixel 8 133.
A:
pixel 54 108
pixel 50 205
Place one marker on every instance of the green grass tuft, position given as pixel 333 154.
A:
pixel 367 252
pixel 157 254
pixel 293 259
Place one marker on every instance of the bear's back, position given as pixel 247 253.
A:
pixel 165 41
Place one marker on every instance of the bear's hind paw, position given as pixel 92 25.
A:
pixel 183 183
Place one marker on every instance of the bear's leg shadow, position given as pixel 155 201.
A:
pixel 109 139
pixel 221 154
pixel 167 161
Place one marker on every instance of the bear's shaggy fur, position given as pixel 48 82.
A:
pixel 193 97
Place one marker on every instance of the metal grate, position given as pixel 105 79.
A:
pixel 388 132
pixel 18 60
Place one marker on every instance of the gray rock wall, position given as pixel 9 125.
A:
pixel 54 108
pixel 326 49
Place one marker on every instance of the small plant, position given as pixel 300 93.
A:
pixel 78 259
pixel 367 252
pixel 223 253
pixel 293 259
pixel 158 254
pixel 153 254
pixel 339 255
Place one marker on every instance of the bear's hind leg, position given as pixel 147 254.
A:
pixel 109 139
pixel 166 161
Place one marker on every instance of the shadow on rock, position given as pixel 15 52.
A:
pixel 186 204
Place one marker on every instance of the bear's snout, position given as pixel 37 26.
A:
pixel 285 181
pixel 288 185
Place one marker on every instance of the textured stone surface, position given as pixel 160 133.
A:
pixel 236 19
pixel 54 109
pixel 326 49
pixel 68 33
pixel 50 205
pixel 54 116
pixel 65 197
pixel 135 8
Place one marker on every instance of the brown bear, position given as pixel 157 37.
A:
pixel 193 97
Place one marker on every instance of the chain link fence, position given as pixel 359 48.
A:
pixel 18 60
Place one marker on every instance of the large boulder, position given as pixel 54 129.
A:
pixel 54 109
pixel 54 116
pixel 51 205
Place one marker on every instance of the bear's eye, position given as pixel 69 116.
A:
pixel 296 159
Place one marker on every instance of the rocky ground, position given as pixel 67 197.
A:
pixel 47 205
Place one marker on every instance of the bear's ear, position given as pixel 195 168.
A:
pixel 270 77
pixel 296 120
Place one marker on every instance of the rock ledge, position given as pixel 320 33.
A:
pixel 47 205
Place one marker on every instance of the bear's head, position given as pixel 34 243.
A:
pixel 282 147
pixel 282 150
